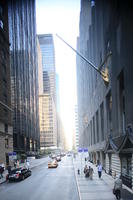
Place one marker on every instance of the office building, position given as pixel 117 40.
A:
pixel 47 101
pixel 105 103
pixel 24 76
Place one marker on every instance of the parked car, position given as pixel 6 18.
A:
pixel 52 164
pixel 18 174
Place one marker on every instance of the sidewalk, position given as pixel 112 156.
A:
pixel 33 163
pixel 96 189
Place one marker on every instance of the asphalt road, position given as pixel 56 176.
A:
pixel 44 184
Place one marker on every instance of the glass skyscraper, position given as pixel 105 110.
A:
pixel 24 75
pixel 48 122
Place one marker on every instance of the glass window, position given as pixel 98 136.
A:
pixel 109 110
pixel 6 128
pixel 1 24
pixel 121 103
pixel 1 10
pixel 102 121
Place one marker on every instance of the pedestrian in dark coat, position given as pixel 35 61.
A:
pixel 9 169
pixel 1 171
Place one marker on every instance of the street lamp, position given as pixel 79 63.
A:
pixel 104 73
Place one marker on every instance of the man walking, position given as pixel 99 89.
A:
pixel 99 170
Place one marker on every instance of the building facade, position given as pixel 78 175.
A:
pixel 47 101
pixel 108 104
pixel 76 128
pixel 24 75
pixel 6 127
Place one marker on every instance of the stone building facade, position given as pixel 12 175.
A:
pixel 106 117
pixel 6 129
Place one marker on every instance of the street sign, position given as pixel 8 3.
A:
pixel 85 150
pixel 12 155
pixel 80 150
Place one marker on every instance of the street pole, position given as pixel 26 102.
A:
pixel 90 63
pixel 104 73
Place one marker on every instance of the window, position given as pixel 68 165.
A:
pixel 6 128
pixel 1 10
pixel 91 133
pixel 102 121
pixel 121 103
pixel 1 24
pixel 109 111
pixel 97 125
pixel 6 142
pixel 94 130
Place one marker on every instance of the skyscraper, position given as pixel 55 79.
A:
pixel 47 101
pixel 24 75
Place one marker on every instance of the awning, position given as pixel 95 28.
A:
pixel 118 144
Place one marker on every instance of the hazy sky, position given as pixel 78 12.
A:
pixel 62 17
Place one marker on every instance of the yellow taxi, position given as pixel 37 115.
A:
pixel 52 164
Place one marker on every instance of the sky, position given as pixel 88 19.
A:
pixel 62 17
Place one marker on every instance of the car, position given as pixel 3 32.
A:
pixel 53 156
pixel 52 164
pixel 68 154
pixel 58 158
pixel 18 174
pixel 63 154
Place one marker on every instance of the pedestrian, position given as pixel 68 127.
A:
pixel 85 169
pixel 15 164
pixel 9 169
pixel 3 165
pixel 99 170
pixel 118 187
pixel 1 171
pixel 27 164
pixel 91 172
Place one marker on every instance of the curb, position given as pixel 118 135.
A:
pixel 76 181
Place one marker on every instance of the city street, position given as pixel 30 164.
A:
pixel 44 183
